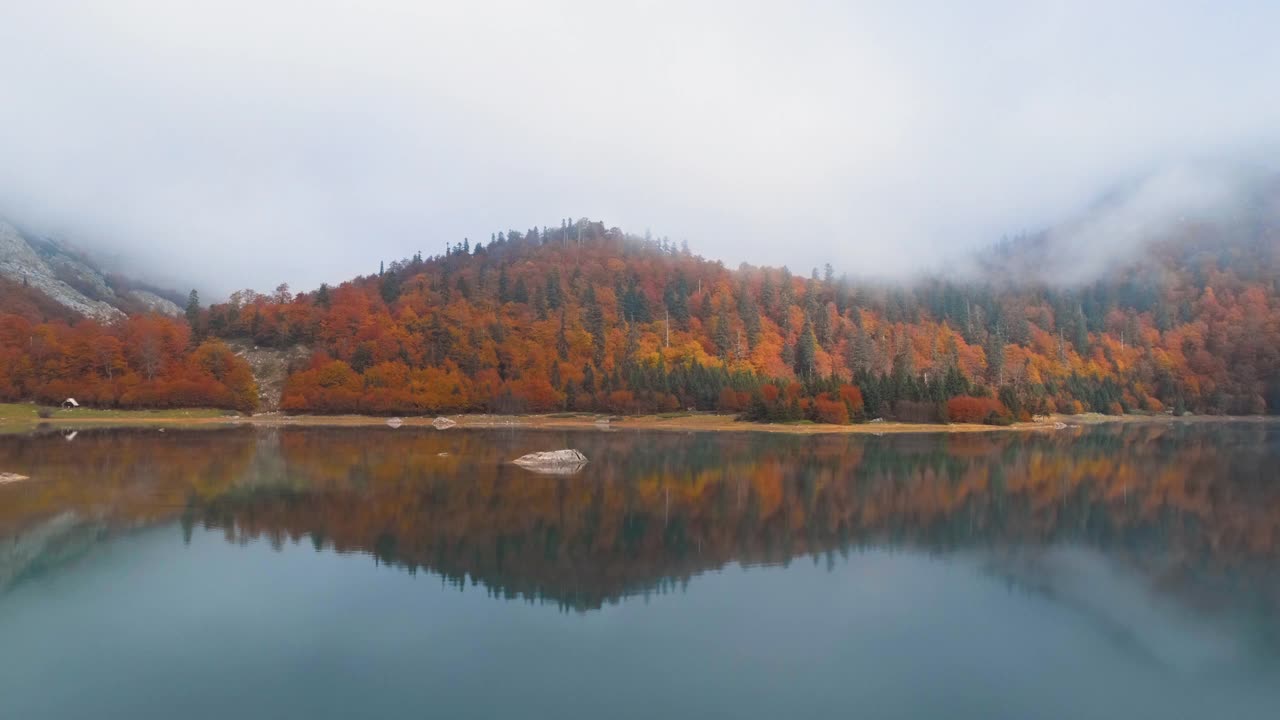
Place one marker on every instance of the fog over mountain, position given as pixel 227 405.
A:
pixel 248 143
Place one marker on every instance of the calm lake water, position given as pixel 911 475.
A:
pixel 1125 571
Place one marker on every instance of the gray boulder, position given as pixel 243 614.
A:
pixel 553 462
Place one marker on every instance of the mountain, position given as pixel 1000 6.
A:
pixel 72 280
pixel 589 318
pixel 585 317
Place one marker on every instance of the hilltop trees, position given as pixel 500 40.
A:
pixel 586 318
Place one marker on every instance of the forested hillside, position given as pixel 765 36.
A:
pixel 583 317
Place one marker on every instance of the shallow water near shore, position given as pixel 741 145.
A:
pixel 1111 571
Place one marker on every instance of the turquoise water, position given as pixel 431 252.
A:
pixel 1114 572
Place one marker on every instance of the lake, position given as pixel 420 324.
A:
pixel 1114 571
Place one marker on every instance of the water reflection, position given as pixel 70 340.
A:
pixel 1192 510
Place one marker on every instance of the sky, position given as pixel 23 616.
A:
pixel 246 143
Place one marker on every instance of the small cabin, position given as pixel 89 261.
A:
pixel 70 404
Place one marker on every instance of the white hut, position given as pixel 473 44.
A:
pixel 70 404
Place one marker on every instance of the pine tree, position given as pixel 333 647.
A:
pixel 193 316
pixel 676 299
pixel 723 333
pixel 995 358
pixel 193 308
pixel 750 314
pixel 806 353
pixel 594 322
pixel 555 297
pixel 504 290
pixel 562 340
pixel 390 287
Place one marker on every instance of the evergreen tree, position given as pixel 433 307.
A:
pixel 555 297
pixel 362 358
pixel 750 314
pixel 504 290
pixel 539 304
pixel 389 288
pixel 634 306
pixel 806 353
pixel 676 299
pixel 995 358
pixel 594 322
pixel 768 297
pixel 723 333
pixel 562 340
pixel 193 309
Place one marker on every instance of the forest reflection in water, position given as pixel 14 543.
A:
pixel 1193 510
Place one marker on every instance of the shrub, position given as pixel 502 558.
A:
pixel 967 409
pixel 852 398
pixel 44 412
pixel 827 409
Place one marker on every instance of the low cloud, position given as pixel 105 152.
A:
pixel 1160 205
pixel 249 143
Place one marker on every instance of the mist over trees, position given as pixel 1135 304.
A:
pixel 584 317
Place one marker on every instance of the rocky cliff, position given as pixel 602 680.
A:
pixel 69 278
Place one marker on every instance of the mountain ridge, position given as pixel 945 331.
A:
pixel 586 317
pixel 71 279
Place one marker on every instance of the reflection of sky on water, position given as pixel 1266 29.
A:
pixel 151 627
pixel 1119 572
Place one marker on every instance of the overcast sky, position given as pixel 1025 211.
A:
pixel 243 143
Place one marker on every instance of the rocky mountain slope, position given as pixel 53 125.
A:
pixel 70 279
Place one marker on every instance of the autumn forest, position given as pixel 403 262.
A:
pixel 582 317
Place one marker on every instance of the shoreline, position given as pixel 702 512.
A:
pixel 681 422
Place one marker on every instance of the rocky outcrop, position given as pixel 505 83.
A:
pixel 553 462
pixel 154 303
pixel 44 270
pixel 270 368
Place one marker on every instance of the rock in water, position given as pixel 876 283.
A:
pixel 554 462
pixel 394 422
pixel 442 423
pixel 12 477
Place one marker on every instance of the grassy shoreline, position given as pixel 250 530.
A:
pixel 23 417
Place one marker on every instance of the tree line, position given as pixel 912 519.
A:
pixel 582 317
